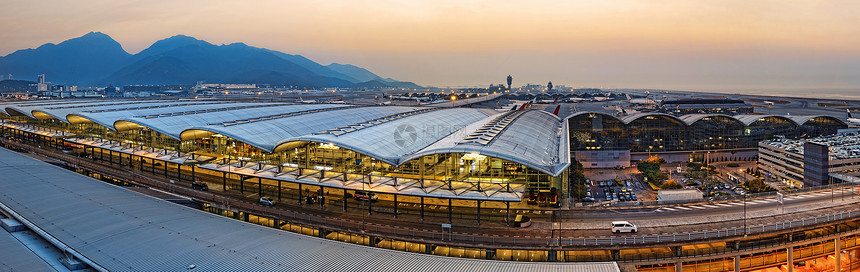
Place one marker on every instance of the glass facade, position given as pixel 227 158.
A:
pixel 658 132
pixel 655 133
pixel 715 132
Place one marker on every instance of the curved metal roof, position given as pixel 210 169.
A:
pixel 802 119
pixel 269 134
pixel 173 122
pixel 592 112
pixel 748 119
pixel 108 116
pixel 391 141
pixel 633 117
pixel 534 138
pixel 689 119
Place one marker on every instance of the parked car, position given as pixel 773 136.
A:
pixel 199 186
pixel 623 226
pixel 267 201
pixel 365 196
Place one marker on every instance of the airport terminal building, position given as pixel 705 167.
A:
pixel 273 149
pixel 601 140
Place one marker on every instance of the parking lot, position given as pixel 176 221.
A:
pixel 626 185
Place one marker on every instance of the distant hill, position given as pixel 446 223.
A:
pixel 96 59
pixel 74 61
pixel 368 79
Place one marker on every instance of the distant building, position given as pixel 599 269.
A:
pixel 496 88
pixel 41 85
pixel 810 161
pixel 691 106
pixel 9 77
pixel 215 88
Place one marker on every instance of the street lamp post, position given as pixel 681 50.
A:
pixel 745 215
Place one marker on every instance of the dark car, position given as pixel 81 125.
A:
pixel 199 186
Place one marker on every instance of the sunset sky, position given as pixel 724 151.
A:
pixel 690 44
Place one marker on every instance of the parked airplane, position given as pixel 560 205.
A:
pixel 601 99
pixel 640 101
pixel 576 99
pixel 851 119
pixel 547 101
pixel 307 101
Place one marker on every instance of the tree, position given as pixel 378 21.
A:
pixel 671 184
pixel 758 186
pixel 578 191
pixel 712 182
pixel 577 180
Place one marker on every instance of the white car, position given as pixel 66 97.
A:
pixel 267 201
pixel 623 226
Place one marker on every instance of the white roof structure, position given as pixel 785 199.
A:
pixel 689 119
pixel 393 134
pixel 114 229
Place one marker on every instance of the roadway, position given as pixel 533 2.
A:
pixel 575 224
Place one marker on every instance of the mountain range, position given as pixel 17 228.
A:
pixel 97 59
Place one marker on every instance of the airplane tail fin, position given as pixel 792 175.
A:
pixel 557 107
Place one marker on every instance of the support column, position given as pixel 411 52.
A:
pixel 193 175
pixel 165 169
pixel 791 259
pixel 260 186
pixel 178 172
pixel 110 157
pixel 224 181
pixel 837 252
pixel 422 208
pixel 737 263
pixel 241 184
pixel 508 215
pixel 678 266
pixel 369 206
pixel 300 194
pixel 344 200
pixel 450 216
pixel 279 190
pixel 395 205
pixel 479 211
